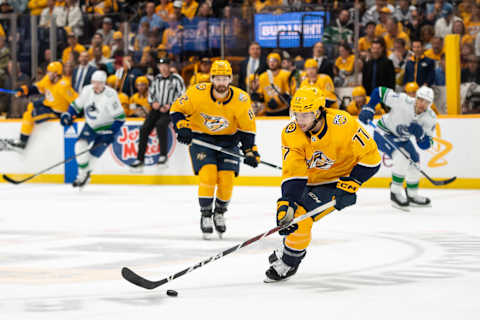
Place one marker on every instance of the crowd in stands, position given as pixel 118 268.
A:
pixel 401 44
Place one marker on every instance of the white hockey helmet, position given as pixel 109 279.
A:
pixel 425 93
pixel 99 76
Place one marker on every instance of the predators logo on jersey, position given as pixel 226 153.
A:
pixel 214 123
pixel 339 119
pixel 320 161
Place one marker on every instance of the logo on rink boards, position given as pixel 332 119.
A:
pixel 125 145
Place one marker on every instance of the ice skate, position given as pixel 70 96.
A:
pixel 15 145
pixel 206 224
pixel 417 200
pixel 137 166
pixel 278 271
pixel 162 160
pixel 399 201
pixel 219 222
pixel 82 179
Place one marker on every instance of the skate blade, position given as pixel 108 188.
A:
pixel 207 236
pixel 406 209
pixel 420 205
pixel 268 280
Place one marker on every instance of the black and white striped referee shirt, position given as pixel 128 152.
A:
pixel 166 90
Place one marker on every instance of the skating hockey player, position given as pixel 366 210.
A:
pixel 104 116
pixel 220 114
pixel 326 154
pixel 58 94
pixel 408 117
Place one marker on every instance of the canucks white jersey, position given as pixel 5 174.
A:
pixel 402 114
pixel 100 110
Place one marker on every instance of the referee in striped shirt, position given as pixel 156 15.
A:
pixel 164 90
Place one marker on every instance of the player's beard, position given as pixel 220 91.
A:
pixel 221 89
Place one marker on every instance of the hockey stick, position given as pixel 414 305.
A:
pixel 8 91
pixel 134 278
pixel 8 179
pixel 232 153
pixel 433 181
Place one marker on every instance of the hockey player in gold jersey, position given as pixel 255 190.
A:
pixel 220 114
pixel 58 94
pixel 326 154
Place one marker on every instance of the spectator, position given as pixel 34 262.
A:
pixel 443 26
pixel 372 13
pixel 359 99
pixel 403 11
pixel 164 9
pixel 419 69
pixel 141 39
pixel 411 90
pixel 189 8
pixel 320 81
pixel 426 35
pixel 380 28
pixel 152 45
pixel 465 9
pixel 154 21
pixel 343 65
pixel 99 61
pixel 73 45
pixel 471 73
pixel 36 7
pixel 365 42
pixel 473 24
pixel 324 63
pixel 436 51
pixel 68 70
pixel 202 71
pixel 274 87
pixel 107 31
pixel 139 106
pixel 127 75
pixel 82 74
pixel 459 28
pixel 254 64
pixel 49 13
pixel 97 41
pixel 436 10
pixel 113 82
pixel 466 51
pixel 177 11
pixel 205 11
pixel 399 57
pixel 172 36
pixel 72 17
pixel 339 31
pixel 393 33
pixel 379 70
pixel 440 72
pixel 415 25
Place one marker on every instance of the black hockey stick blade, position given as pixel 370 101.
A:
pixel 8 179
pixel 134 278
pixel 440 182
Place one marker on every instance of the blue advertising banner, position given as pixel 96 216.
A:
pixel 288 27
pixel 70 137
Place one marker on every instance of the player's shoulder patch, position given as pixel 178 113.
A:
pixel 339 119
pixel 201 86
pixel 243 97
pixel 291 127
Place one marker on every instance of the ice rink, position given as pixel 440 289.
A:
pixel 61 253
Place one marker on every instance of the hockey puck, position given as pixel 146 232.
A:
pixel 172 293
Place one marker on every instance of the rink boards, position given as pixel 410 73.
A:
pixel 455 153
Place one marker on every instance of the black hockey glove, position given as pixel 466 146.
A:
pixel 345 194
pixel 66 119
pixel 285 214
pixel 252 157
pixel 184 133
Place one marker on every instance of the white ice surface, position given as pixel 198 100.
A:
pixel 61 253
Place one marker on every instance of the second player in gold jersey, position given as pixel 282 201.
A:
pixel 327 155
pixel 220 114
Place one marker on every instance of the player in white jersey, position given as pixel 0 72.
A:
pixel 407 117
pixel 104 116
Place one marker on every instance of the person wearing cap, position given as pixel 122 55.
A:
pixel 154 21
pixel 407 118
pixel 274 87
pixel 320 81
pixel 97 41
pixel 164 90
pixel 434 10
pixel 58 94
pixel 380 28
pixel 359 99
pixel 114 83
pixel 82 74
pixel 444 24
pixel 201 71
pixel 103 119
pixel 419 68
pixel 220 114
pixel 73 45
pixel 107 31
pixel 117 43
pixel 139 105
pixel 373 13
